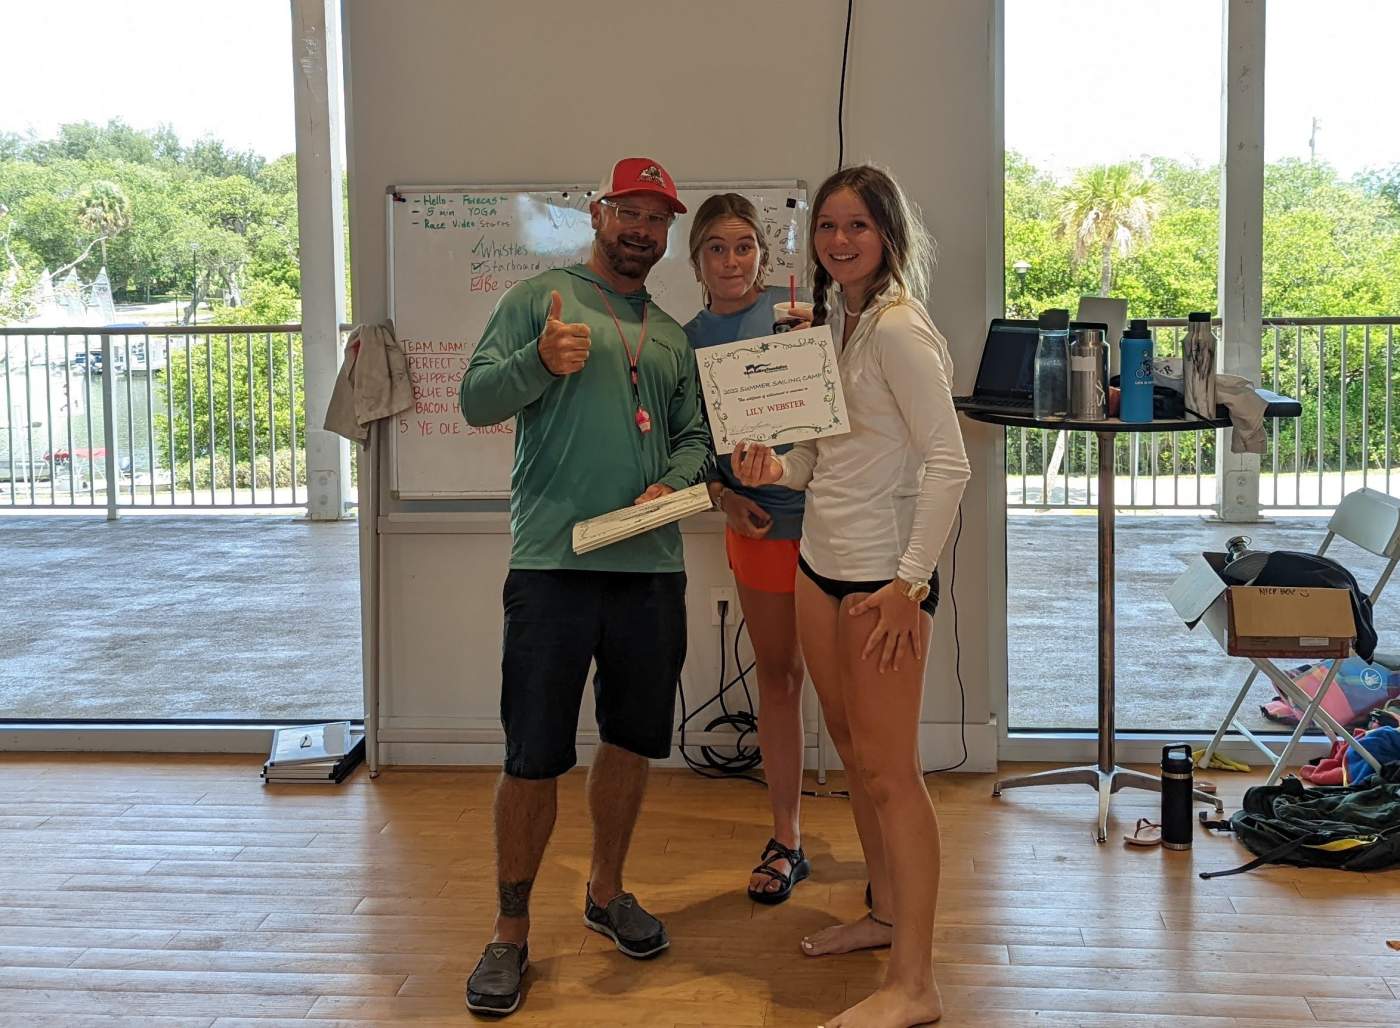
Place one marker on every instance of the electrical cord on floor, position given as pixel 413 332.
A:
pixel 746 757
pixel 957 655
pixel 711 763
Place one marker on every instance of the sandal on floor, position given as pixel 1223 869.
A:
pixel 1147 833
pixel 799 868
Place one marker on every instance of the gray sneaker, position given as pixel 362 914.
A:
pixel 636 933
pixel 494 987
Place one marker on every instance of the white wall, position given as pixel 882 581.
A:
pixel 446 92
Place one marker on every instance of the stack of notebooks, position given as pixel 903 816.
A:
pixel 314 753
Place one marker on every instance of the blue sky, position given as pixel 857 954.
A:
pixel 1088 81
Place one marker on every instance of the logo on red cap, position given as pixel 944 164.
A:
pixel 651 173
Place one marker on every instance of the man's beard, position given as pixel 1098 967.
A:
pixel 629 263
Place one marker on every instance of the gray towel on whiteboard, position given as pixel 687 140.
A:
pixel 1246 408
pixel 373 382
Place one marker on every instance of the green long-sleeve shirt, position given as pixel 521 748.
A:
pixel 578 451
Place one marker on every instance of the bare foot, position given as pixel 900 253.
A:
pixel 892 1008
pixel 865 933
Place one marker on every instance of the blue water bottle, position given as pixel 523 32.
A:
pixel 1135 379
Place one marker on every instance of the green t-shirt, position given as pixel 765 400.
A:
pixel 578 451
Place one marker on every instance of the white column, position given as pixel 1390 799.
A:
pixel 316 70
pixel 1240 285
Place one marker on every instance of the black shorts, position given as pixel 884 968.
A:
pixel 839 589
pixel 556 622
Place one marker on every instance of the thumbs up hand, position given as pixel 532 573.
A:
pixel 563 346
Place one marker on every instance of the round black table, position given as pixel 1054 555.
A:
pixel 1106 776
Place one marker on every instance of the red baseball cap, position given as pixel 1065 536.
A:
pixel 641 175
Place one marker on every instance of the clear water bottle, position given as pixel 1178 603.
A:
pixel 1050 396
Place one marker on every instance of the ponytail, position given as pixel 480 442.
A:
pixel 821 287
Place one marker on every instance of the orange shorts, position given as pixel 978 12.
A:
pixel 768 565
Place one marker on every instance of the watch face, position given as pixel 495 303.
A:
pixel 919 592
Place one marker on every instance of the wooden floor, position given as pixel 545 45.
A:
pixel 178 891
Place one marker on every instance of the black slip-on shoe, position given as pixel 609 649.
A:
pixel 494 987
pixel 635 932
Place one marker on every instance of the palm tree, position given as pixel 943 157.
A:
pixel 103 210
pixel 1108 207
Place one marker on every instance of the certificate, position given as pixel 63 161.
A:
pixel 774 389
pixel 606 529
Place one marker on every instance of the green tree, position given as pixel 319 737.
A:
pixel 218 387
pixel 209 157
pixel 1331 248
pixel 165 144
pixel 103 211
pixel 206 218
pixel 1107 208
pixel 12 146
pixel 15 279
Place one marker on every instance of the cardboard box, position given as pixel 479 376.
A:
pixel 1263 621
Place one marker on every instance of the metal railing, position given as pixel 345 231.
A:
pixel 1342 370
pixel 152 417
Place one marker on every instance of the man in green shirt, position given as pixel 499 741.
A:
pixel 603 387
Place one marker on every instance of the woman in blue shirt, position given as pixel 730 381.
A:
pixel 730 257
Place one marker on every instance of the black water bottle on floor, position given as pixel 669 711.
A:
pixel 1176 796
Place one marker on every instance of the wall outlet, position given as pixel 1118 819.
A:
pixel 731 616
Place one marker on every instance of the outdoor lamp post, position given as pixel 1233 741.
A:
pixel 1021 267
pixel 194 284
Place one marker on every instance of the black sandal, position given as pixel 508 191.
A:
pixel 799 869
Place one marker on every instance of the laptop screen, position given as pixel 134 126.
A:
pixel 1008 360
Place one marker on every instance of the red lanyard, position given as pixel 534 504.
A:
pixel 643 419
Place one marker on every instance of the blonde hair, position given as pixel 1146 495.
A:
pixel 716 208
pixel 908 250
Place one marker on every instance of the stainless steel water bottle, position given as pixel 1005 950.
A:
pixel 1176 796
pixel 1088 374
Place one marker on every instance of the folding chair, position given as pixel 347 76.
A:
pixel 1370 520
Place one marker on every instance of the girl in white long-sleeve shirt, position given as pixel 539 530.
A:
pixel 880 504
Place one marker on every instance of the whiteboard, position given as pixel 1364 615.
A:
pixel 454 250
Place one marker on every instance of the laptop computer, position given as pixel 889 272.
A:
pixel 1006 374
